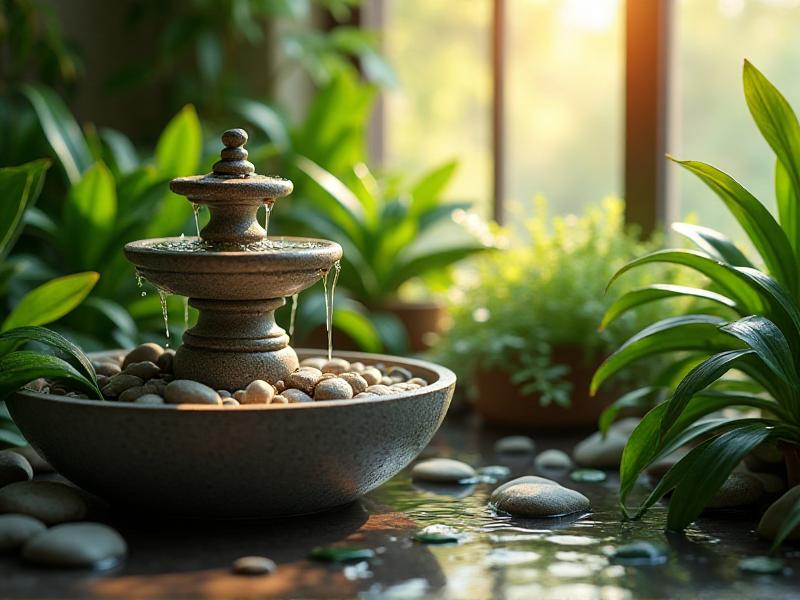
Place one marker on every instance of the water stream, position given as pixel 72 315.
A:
pixel 293 314
pixel 162 296
pixel 337 268
pixel 267 213
pixel 196 211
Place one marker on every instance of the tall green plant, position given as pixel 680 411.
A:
pixel 746 353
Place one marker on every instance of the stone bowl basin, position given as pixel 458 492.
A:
pixel 237 462
pixel 292 266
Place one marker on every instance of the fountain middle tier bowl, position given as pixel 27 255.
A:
pixel 272 268
pixel 241 461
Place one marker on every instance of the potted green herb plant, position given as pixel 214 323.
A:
pixel 523 334
pixel 746 354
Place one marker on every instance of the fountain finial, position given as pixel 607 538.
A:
pixel 233 158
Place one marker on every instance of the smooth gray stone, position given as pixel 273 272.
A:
pixel 600 453
pixel 515 444
pixel 538 500
pixel 254 565
pixel 49 501
pixel 76 545
pixel 145 352
pixel 550 460
pixel 335 388
pixel 772 519
pixel 442 470
pixel 186 391
pixel 740 489
pixel 14 467
pixel 15 530
pixel 524 479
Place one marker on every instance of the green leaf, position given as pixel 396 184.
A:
pixel 51 301
pixel 21 186
pixel 658 292
pixel 708 466
pixel 11 439
pixel 23 366
pixel 337 190
pixel 62 132
pixel 179 146
pixel 358 327
pixel 778 124
pixel 713 243
pixel 341 553
pixel 62 345
pixel 723 275
pixel 122 151
pixel 419 264
pixel 790 522
pixel 786 201
pixel 686 332
pixel 769 343
pixel 89 215
pixel 698 379
pixel 782 307
pixel 762 229
pixel 639 398
pixel 425 194
pixel 267 119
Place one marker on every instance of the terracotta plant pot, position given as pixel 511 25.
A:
pixel 422 321
pixel 501 402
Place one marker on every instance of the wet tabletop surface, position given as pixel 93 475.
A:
pixel 498 557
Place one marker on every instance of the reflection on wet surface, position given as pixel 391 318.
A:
pixel 496 557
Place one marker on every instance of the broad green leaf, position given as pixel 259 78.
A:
pixel 697 380
pixel 20 188
pixel 710 465
pixel 770 345
pixel 62 132
pixel 334 186
pixel 685 333
pixel 11 439
pixel 658 292
pixel 778 124
pixel 124 154
pixel 786 201
pixel 783 308
pixel 358 327
pixel 267 119
pixel 51 301
pixel 729 280
pixel 790 522
pixel 89 216
pixel 762 229
pixel 23 366
pixel 179 146
pixel 426 193
pixel 713 243
pixel 419 264
pixel 20 335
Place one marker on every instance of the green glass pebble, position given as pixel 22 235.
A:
pixel 436 538
pixel 341 553
pixel 588 475
pixel 640 553
pixel 762 565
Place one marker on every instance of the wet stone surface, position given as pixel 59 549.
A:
pixel 485 556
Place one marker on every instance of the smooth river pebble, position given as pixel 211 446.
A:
pixel 515 444
pixel 525 497
pixel 185 391
pixel 49 501
pixel 254 565
pixel 552 460
pixel 15 530
pixel 442 470
pixel 773 518
pixel 146 352
pixel 76 545
pixel 14 467
pixel 335 388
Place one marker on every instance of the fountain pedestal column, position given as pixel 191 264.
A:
pixel 234 343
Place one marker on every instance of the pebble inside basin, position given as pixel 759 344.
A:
pixel 248 461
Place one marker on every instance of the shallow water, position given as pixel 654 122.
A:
pixel 195 245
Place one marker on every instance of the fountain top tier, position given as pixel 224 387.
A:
pixel 233 193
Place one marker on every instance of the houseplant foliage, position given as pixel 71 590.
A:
pixel 511 308
pixel 746 354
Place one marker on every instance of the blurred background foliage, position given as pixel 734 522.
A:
pixel 296 73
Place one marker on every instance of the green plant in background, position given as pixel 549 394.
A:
pixel 113 197
pixel 746 355
pixel 510 309
pixel 220 38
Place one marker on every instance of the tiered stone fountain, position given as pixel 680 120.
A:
pixel 252 460
pixel 233 274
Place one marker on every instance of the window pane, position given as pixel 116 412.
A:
pixel 565 101
pixel 710 120
pixel 442 108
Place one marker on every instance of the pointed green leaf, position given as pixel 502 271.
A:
pixel 62 132
pixel 713 243
pixel 658 292
pixel 790 522
pixel 778 124
pixel 20 335
pixel 787 203
pixel 770 345
pixel 426 193
pixel 179 146
pixel 89 216
pixel 21 186
pixel 23 366
pixel 267 119
pixel 51 301
pixel 762 229
pixel 686 332
pixel 639 399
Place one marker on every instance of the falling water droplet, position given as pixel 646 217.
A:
pixel 140 281
pixel 162 296
pixel 293 315
pixel 196 211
